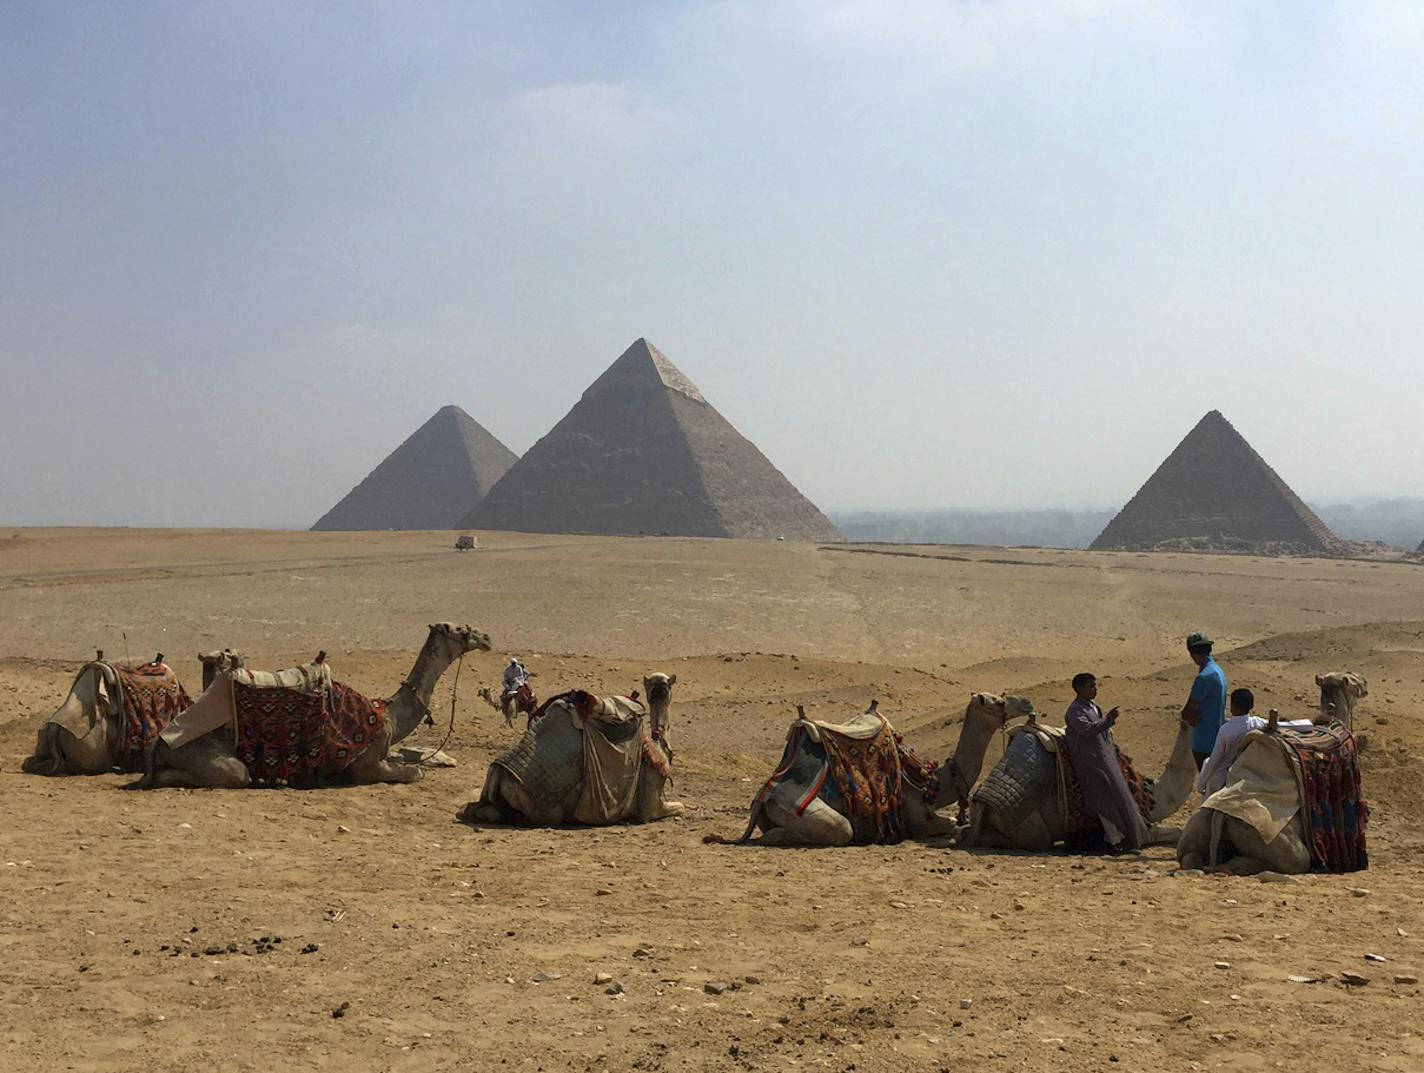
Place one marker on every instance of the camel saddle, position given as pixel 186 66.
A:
pixel 1026 774
pixel 550 758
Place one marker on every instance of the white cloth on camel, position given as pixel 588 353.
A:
pixel 860 727
pixel 1261 787
pixel 611 770
pixel 96 692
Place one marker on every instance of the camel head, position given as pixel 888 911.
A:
pixel 994 711
pixel 462 639
pixel 215 663
pixel 658 688
pixel 985 715
pixel 1339 693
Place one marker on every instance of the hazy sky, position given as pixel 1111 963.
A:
pixel 923 254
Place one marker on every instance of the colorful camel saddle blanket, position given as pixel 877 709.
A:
pixel 1327 768
pixel 145 697
pixel 287 736
pixel 854 766
pixel 214 709
pixel 152 698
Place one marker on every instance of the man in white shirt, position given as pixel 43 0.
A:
pixel 1228 740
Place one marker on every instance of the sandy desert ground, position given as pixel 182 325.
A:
pixel 460 949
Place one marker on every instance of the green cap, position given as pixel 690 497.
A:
pixel 1198 640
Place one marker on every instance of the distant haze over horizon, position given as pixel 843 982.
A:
pixel 928 257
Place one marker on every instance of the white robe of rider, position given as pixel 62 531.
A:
pixel 515 677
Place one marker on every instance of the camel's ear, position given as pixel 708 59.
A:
pixel 1319 680
pixel 673 680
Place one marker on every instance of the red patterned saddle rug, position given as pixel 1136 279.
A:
pixel 1082 830
pixel 1333 806
pixel 866 772
pixel 285 736
pixel 152 696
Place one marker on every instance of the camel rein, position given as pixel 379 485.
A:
pixel 454 693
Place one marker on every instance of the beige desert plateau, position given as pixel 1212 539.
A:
pixel 363 928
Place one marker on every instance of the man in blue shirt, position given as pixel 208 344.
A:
pixel 1205 709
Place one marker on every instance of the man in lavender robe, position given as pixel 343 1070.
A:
pixel 1094 758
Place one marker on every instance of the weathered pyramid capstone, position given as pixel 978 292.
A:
pixel 1214 492
pixel 429 482
pixel 643 452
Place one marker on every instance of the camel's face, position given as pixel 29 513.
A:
pixel 659 687
pixel 465 638
pixel 1001 709
pixel 1342 682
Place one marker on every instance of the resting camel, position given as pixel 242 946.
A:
pixel 585 760
pixel 1263 770
pixel 89 734
pixel 787 818
pixel 210 760
pixel 1018 805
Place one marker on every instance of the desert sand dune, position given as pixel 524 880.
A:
pixel 460 949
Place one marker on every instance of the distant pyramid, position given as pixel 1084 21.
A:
pixel 643 452
pixel 1215 492
pixel 429 482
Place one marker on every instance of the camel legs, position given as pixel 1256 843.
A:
pixel 207 763
pixel 1034 835
pixel 1240 846
pixel 371 765
pixel 819 825
pixel 58 752
pixel 1159 834
pixel 920 820
pixel 504 800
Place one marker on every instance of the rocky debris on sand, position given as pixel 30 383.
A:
pixel 715 987
pixel 544 977
pixel 603 978
pixel 340 1011
pixel 1353 979
pixel 1405 978
pixel 1359 892
pixel 1275 877
pixel 310 948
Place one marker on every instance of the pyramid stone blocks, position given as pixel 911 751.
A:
pixel 429 482
pixel 1214 492
pixel 643 452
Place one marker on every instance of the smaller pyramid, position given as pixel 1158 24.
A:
pixel 1215 493
pixel 430 481
pixel 643 452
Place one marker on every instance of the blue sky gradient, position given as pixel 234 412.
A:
pixel 925 255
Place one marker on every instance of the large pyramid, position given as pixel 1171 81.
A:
pixel 429 482
pixel 1214 492
pixel 643 452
